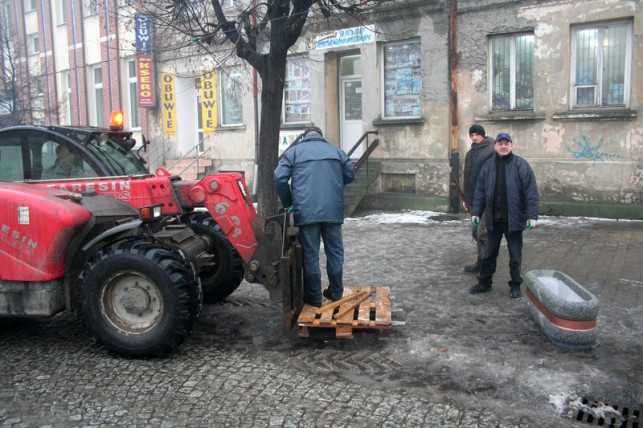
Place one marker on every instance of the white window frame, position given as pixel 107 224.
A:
pixel 134 114
pixel 383 80
pixel 303 100
pixel 199 115
pixel 33 41
pixel 91 7
pixel 30 5
pixel 512 73
pixel 61 12
pixel 97 87
pixel 66 85
pixel 598 94
pixel 235 73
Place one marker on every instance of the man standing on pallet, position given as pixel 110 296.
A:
pixel 310 180
pixel 481 150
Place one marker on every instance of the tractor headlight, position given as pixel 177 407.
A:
pixel 149 213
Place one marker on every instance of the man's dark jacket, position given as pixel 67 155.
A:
pixel 473 161
pixel 317 172
pixel 522 193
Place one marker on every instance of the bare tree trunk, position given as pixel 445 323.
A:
pixel 271 94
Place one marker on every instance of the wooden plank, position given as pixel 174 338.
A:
pixel 383 309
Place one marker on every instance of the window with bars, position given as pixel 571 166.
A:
pixel 601 63
pixel 402 80
pixel 296 108
pixel 512 72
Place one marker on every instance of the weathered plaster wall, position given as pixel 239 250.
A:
pixel 578 159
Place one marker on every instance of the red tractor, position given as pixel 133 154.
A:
pixel 211 222
pixel 137 295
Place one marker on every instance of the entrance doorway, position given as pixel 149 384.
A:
pixel 350 103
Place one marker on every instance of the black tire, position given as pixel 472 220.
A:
pixel 138 297
pixel 221 281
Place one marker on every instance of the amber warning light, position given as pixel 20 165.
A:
pixel 116 123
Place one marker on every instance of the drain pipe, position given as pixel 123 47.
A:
pixel 454 160
pixel 255 92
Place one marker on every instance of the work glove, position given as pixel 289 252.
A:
pixel 475 220
pixel 466 207
pixel 531 224
pixel 286 210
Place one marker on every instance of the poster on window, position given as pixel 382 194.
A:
pixel 208 102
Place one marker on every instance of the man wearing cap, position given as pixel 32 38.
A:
pixel 310 179
pixel 507 194
pixel 481 150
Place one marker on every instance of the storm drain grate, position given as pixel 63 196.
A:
pixel 610 415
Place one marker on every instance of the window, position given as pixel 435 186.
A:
pixel 402 80
pixel 512 72
pixel 199 116
pixel 132 86
pixel 227 3
pixel 30 5
pixel 61 11
pixel 66 84
pixel 6 19
pixel 601 63
pixel 297 91
pixel 230 96
pixel 99 118
pixel 91 7
pixel 33 42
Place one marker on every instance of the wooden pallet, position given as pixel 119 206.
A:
pixel 367 308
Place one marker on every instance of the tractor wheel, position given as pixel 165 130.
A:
pixel 225 277
pixel 139 298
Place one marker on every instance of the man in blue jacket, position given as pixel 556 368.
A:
pixel 310 179
pixel 507 193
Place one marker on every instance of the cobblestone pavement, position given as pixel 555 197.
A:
pixel 453 359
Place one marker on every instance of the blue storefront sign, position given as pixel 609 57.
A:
pixel 143 34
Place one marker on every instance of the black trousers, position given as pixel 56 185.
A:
pixel 489 262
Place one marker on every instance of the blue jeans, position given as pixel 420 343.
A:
pixel 514 245
pixel 309 237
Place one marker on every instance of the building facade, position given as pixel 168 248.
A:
pixel 563 77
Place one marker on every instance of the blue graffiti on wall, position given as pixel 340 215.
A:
pixel 583 149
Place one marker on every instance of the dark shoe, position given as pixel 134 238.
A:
pixel 479 288
pixel 515 292
pixel 315 304
pixel 327 295
pixel 472 268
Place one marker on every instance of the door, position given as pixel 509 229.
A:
pixel 350 117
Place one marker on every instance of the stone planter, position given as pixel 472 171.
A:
pixel 564 310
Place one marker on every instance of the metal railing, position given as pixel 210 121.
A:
pixel 156 155
pixel 370 148
pixel 198 155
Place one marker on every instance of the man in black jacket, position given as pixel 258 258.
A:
pixel 481 150
pixel 507 194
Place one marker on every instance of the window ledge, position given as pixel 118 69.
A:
pixel 507 116
pixel 584 115
pixel 398 122
pixel 295 126
pixel 230 128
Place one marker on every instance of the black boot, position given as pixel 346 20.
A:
pixel 515 293
pixel 474 268
pixel 480 288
